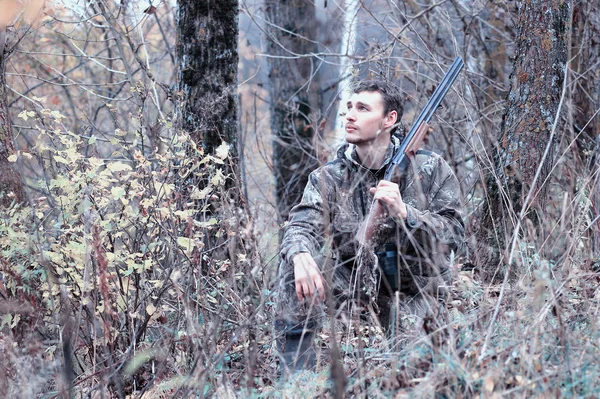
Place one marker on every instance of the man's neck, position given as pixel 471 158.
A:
pixel 371 155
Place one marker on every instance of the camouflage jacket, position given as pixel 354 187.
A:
pixel 336 201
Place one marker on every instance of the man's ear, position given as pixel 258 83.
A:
pixel 391 119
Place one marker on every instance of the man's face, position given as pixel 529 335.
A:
pixel 365 120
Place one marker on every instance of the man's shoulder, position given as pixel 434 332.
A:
pixel 428 162
pixel 426 156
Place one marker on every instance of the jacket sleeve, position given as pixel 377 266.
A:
pixel 304 231
pixel 428 237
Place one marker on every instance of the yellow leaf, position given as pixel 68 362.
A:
pixel 13 157
pixel 156 283
pixel 200 194
pixel 117 192
pixel 185 214
pixel 15 321
pixel 23 115
pixel 218 178
pixel 519 379
pixel 95 162
pixel 222 151
pixel 206 224
pixel 118 167
pixel 164 188
pixel 488 384
pixel 185 242
pixel 150 309
pixel 60 159
pixel 57 115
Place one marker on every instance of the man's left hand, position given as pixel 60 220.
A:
pixel 388 194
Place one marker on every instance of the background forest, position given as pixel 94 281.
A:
pixel 150 152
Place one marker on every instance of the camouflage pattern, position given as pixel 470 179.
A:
pixel 336 201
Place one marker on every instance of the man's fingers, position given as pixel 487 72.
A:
pixel 320 288
pixel 308 290
pixel 299 291
pixel 309 281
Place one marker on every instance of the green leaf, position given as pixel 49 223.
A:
pixel 6 320
pixel 140 359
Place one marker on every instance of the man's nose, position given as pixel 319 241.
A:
pixel 350 115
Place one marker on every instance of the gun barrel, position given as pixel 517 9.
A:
pixel 427 113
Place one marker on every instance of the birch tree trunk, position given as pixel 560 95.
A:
pixel 528 128
pixel 348 49
pixel 11 185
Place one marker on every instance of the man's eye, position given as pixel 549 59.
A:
pixel 362 108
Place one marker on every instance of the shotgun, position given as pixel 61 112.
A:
pixel 415 135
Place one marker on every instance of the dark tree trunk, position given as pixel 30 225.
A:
pixel 208 65
pixel 294 98
pixel 586 101
pixel 207 51
pixel 536 85
pixel 11 185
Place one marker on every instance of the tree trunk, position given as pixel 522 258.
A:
pixel 586 99
pixel 11 185
pixel 207 50
pixel 294 102
pixel 536 85
pixel 348 48
pixel 207 77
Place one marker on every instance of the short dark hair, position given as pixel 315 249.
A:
pixel 389 92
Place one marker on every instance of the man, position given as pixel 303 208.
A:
pixel 418 227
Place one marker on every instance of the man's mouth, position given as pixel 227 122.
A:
pixel 350 128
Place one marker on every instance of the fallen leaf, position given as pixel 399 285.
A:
pixel 488 384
